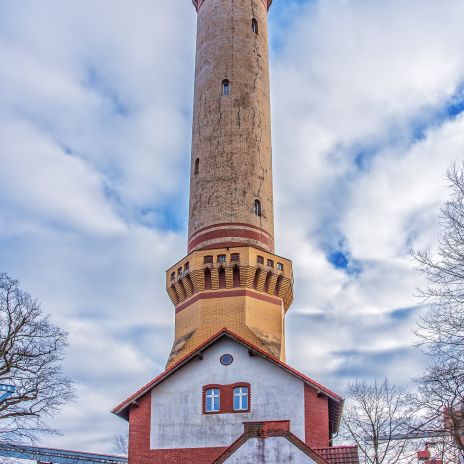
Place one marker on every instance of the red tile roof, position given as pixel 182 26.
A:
pixel 340 454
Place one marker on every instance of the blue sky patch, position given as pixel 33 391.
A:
pixel 339 260
pixel 342 260
pixel 402 314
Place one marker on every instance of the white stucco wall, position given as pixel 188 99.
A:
pixel 275 450
pixel 177 420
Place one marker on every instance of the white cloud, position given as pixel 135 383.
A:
pixel 39 180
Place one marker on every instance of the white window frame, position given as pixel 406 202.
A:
pixel 241 393
pixel 213 394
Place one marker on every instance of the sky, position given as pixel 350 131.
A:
pixel 95 129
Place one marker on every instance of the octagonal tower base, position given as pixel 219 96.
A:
pixel 243 289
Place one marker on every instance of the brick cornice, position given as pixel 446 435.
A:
pixel 229 234
pixel 224 225
pixel 197 3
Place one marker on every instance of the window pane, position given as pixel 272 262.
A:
pixel 212 400
pixel 236 403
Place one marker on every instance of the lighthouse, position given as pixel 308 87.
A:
pixel 227 394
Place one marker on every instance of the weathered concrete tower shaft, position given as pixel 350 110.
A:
pixel 231 200
pixel 231 277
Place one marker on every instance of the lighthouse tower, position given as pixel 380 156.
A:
pixel 227 394
pixel 231 277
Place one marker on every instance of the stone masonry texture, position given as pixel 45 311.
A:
pixel 231 133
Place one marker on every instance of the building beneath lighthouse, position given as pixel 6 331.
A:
pixel 227 394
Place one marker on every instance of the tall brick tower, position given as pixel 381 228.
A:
pixel 231 277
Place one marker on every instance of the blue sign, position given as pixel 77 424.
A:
pixel 6 391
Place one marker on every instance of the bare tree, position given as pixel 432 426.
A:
pixel 121 444
pixel 31 355
pixel 377 418
pixel 441 401
pixel 441 333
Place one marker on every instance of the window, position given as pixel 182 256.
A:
pixel 179 271
pixel 222 259
pixel 241 399
pixel 235 258
pixel 258 209
pixel 270 263
pixel 186 266
pixel 260 260
pixel 208 260
pixel 213 400
pixel 197 166
pixel 254 26
pixel 173 276
pixel 225 88
pixel 226 399
pixel 227 359
pixel 280 267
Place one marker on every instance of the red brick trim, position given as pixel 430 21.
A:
pixel 229 224
pixel 226 398
pixel 230 233
pixel 228 294
pixel 265 430
pixel 215 246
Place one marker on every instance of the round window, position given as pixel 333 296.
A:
pixel 227 359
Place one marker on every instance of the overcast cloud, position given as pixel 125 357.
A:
pixel 95 114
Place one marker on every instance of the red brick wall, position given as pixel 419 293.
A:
pixel 139 442
pixel 316 419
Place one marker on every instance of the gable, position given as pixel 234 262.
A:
pixel 335 401
pixel 177 417
pixel 269 442
pixel 273 450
